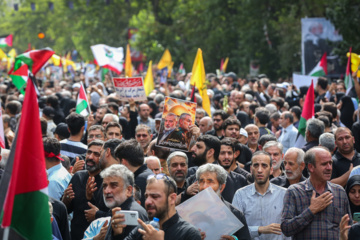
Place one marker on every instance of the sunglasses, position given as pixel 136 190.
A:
pixel 164 177
pixel 95 136
pixel 141 135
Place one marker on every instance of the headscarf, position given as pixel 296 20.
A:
pixel 103 88
pixel 347 111
pixel 243 117
pixel 354 180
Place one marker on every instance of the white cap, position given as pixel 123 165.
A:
pixel 76 85
pixel 243 132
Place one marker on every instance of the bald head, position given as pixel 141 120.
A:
pixel 206 124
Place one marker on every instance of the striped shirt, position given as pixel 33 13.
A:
pixel 299 222
pixel 72 149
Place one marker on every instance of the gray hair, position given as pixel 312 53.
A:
pixel 300 154
pixel 200 111
pixel 249 97
pixel 327 140
pixel 114 117
pixel 177 154
pixel 310 155
pixel 315 127
pixel 221 173
pixel 159 98
pixel 273 144
pixel 118 170
pixel 209 121
pixel 271 108
pixel 153 158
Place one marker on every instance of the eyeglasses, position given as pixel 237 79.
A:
pixel 164 177
pixel 95 136
pixel 96 154
pixel 141 135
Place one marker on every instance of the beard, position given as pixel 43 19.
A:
pixel 226 167
pixel 114 201
pixel 94 168
pixel 200 159
pixel 278 165
pixel 294 175
pixel 102 161
pixel 179 178
pixel 160 212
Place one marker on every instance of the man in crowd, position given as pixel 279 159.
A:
pixel 107 157
pixel 262 201
pixel 113 130
pixel 96 132
pixel 289 132
pixel 219 117
pixel 214 176
pixel 231 128
pixel 294 165
pixel 131 155
pixel 153 163
pixel 160 203
pixel 320 204
pixel 144 117
pixel 143 136
pixel 205 124
pixel 108 118
pixel 275 149
pixel 314 128
pixel 169 127
pixel 253 137
pixel 178 168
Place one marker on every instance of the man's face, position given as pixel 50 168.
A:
pixel 226 156
pixel 253 135
pixel 217 122
pixel 242 139
pixel 239 98
pixel 113 132
pixel 292 169
pixel 92 163
pixel 345 142
pixel 156 203
pixel 199 153
pixel 246 107
pixel 95 134
pixel 340 88
pixel 274 122
pixel 323 166
pixel 178 168
pixel 106 120
pixel 143 138
pixel 154 166
pixel 232 131
pixel 260 169
pixel 161 107
pixel 170 122
pixel 276 156
pixel 124 112
pixel 203 125
pixel 100 112
pixel 144 111
pixel 157 125
pixel 114 192
pixel 198 117
pixel 209 179
pixel 185 122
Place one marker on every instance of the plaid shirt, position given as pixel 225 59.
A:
pixel 299 222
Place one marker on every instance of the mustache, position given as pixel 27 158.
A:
pixel 109 195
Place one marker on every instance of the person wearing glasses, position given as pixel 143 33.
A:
pixel 143 136
pixel 160 203
pixel 84 191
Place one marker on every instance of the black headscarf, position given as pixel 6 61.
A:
pixel 243 117
pixel 347 111
pixel 354 180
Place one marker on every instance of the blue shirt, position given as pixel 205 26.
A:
pixel 260 210
pixel 150 123
pixel 288 137
pixel 59 179
pixel 95 227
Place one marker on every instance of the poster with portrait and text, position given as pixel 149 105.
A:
pixel 174 130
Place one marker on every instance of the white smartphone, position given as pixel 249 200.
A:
pixel 131 217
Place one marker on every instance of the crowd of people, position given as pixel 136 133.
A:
pixel 243 147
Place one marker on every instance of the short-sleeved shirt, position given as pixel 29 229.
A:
pixel 341 164
pixel 72 149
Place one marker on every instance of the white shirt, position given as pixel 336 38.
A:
pixel 288 137
pixel 260 210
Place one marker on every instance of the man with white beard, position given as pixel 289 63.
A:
pixel 118 183
pixel 294 166
pixel 275 149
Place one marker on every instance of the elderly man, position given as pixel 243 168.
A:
pixel 117 187
pixel 314 128
pixel 143 136
pixel 289 132
pixel 253 137
pixel 96 132
pixel 262 201
pixel 294 166
pixel 205 124
pixel 108 118
pixel 143 118
pixel 275 149
pixel 160 203
pixel 169 127
pixel 182 133
pixel 178 169
pixel 214 176
pixel 320 204
pixel 153 163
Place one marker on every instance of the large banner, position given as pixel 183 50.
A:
pixel 127 88
pixel 317 36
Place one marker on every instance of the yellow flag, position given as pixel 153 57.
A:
pixel 149 80
pixel 2 55
pixel 198 79
pixel 165 60
pixel 355 62
pixel 12 53
pixel 225 64
pixel 56 60
pixel 128 67
pixel 66 63
pixel 170 69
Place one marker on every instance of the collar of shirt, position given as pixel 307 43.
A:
pixel 53 169
pixel 171 221
pixel 310 187
pixel 140 170
pixel 269 190
pixel 141 121
pixel 339 156
pixel 288 128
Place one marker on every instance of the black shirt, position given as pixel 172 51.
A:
pixel 282 181
pixel 213 133
pixel 79 204
pixel 341 164
pixel 61 216
pixel 354 232
pixel 132 205
pixel 309 145
pixel 245 173
pixel 175 228
pixel 141 175
pixel 243 233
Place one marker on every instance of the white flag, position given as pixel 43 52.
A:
pixel 109 57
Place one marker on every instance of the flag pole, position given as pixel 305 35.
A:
pixel 6 233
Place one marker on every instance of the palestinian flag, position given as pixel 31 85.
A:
pixel 321 68
pixel 30 61
pixel 6 41
pixel 349 82
pixel 82 104
pixel 25 208
pixel 307 113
